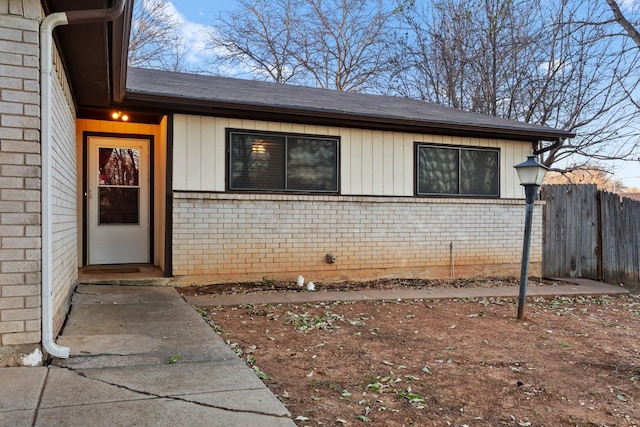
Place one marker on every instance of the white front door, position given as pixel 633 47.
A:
pixel 117 200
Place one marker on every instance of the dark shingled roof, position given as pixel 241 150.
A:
pixel 250 99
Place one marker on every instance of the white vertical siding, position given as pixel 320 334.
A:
pixel 208 151
pixel 397 154
pixel 219 154
pixel 407 165
pixel 354 169
pixel 367 162
pixel 345 161
pixel 194 147
pixel 371 162
pixel 378 165
pixel 180 154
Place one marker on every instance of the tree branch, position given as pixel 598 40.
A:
pixel 624 22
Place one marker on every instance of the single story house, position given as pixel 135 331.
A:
pixel 212 179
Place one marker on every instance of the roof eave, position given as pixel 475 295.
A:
pixel 120 53
pixel 332 118
pixel 94 55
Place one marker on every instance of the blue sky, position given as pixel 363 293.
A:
pixel 198 17
pixel 202 11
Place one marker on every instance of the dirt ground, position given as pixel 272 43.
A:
pixel 572 362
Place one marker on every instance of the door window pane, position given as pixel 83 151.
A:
pixel 118 166
pixel 119 205
pixel 118 186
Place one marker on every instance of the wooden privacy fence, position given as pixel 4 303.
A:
pixel 590 234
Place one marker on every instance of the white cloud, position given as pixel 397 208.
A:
pixel 199 54
pixel 629 4
pixel 195 38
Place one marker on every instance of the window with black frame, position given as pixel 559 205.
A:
pixel 282 163
pixel 461 171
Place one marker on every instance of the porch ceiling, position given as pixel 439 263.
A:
pixel 94 55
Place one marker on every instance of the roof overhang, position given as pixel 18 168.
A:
pixel 150 105
pixel 94 55
pixel 164 92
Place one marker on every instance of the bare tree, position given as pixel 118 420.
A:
pixel 467 55
pixel 626 24
pixel 435 56
pixel 155 40
pixel 559 63
pixel 337 44
pixel 345 44
pixel 536 62
pixel 588 175
pixel 629 24
pixel 258 38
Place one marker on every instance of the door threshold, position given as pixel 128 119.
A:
pixel 123 274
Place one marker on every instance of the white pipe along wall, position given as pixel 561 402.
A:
pixel 49 23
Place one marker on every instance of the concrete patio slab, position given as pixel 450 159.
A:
pixel 24 417
pixel 154 412
pixel 68 388
pixel 237 400
pixel 14 396
pixel 180 378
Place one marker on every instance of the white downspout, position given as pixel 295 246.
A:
pixel 47 26
pixel 46 55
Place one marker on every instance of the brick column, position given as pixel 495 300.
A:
pixel 19 179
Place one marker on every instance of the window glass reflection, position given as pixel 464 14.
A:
pixel 119 205
pixel 118 166
pixel 282 163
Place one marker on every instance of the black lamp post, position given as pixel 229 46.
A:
pixel 531 174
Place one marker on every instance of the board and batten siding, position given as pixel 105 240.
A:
pixel 372 163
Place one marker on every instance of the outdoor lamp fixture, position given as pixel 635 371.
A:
pixel 119 115
pixel 531 173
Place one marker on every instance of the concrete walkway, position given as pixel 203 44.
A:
pixel 564 287
pixel 122 338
